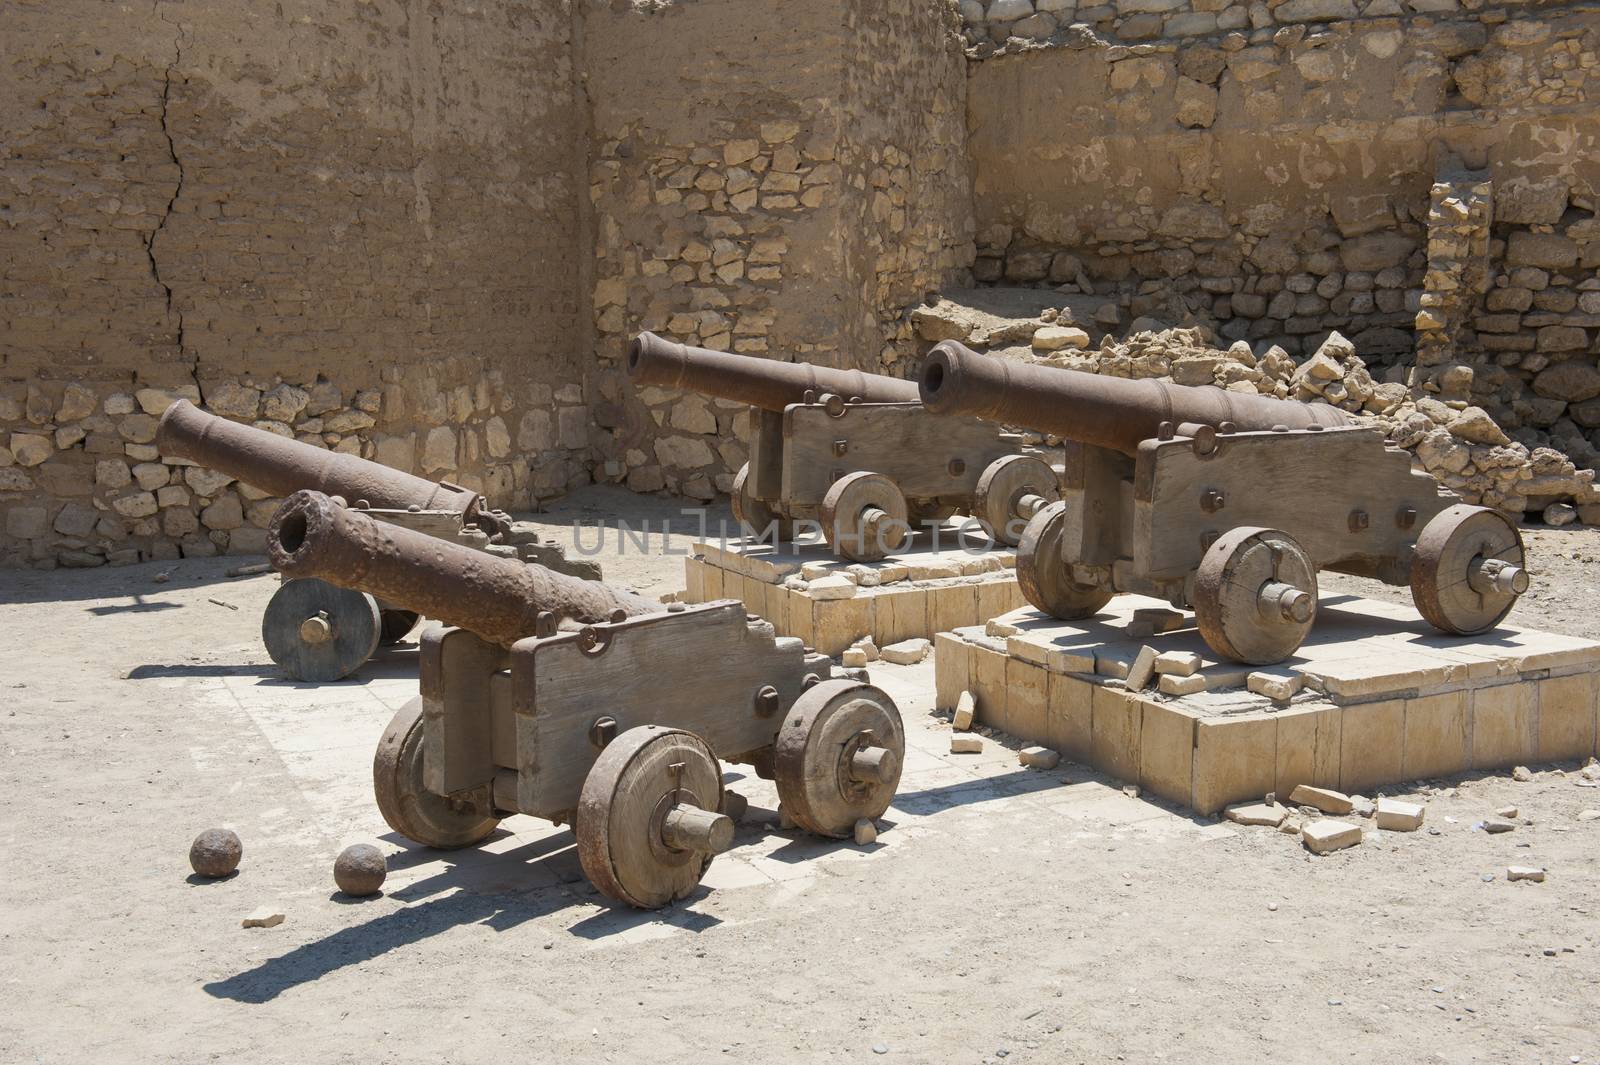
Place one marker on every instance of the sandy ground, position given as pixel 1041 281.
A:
pixel 1004 914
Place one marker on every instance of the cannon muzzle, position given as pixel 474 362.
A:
pixel 1109 412
pixel 764 383
pixel 499 599
pixel 279 465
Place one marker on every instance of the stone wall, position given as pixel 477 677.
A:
pixel 353 224
pixel 784 186
pixel 994 26
pixel 1278 181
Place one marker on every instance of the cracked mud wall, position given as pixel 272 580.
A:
pixel 354 224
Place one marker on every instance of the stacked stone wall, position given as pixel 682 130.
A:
pixel 995 26
pixel 785 194
pixel 1276 180
pixel 350 224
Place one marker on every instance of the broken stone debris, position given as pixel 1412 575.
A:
pixel 1039 758
pixel 906 652
pixel 1325 800
pixel 1142 669
pixel 1396 816
pixel 266 917
pixel 966 745
pixel 1177 663
pixel 1325 836
pixel 1256 813
pixel 966 710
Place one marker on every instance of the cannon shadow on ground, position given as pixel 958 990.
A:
pixel 390 663
pixel 472 886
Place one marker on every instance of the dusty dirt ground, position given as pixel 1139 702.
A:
pixel 1004 914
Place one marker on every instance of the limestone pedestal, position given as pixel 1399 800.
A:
pixel 936 584
pixel 1382 698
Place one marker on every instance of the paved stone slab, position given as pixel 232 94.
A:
pixel 806 591
pixel 1374 697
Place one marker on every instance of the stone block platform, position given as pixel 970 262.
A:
pixel 935 585
pixel 1375 696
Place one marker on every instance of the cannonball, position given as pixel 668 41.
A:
pixel 360 869
pixel 215 852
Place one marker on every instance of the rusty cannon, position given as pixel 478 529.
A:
pixel 852 452
pixel 281 466
pixel 1228 504
pixel 616 726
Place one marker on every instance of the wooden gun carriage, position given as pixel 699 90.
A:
pixel 1229 504
pixel 314 630
pixel 853 453
pixel 616 727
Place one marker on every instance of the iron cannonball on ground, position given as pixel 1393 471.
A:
pixel 215 852
pixel 360 869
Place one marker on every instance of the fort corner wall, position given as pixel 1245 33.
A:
pixel 352 224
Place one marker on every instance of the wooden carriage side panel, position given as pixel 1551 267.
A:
pixel 1340 493
pixel 697 669
pixel 766 455
pixel 1093 488
pixel 457 671
pixel 917 450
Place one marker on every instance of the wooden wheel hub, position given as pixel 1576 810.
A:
pixel 838 756
pixel 318 632
pixel 864 517
pixel 1046 579
pixel 755 514
pixel 650 816
pixel 1468 569
pixel 1010 492
pixel 1255 595
pixel 403 800
pixel 317 629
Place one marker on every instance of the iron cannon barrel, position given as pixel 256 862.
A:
pixel 764 383
pixel 1107 412
pixel 279 465
pixel 499 599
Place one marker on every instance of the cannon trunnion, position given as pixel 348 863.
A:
pixel 1232 519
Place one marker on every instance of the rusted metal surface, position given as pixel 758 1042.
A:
pixel 1108 412
pixel 764 383
pixel 279 465
pixel 499 599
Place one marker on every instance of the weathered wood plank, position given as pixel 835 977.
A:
pixel 1305 484
pixel 458 669
pixel 899 440
pixel 698 669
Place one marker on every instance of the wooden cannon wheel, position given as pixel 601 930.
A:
pixel 755 514
pixel 650 818
pixel 864 517
pixel 1255 595
pixel 409 807
pixel 318 632
pixel 1043 575
pixel 1003 487
pixel 1468 569
pixel 395 624
pixel 838 756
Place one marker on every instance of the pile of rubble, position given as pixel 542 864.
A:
pixel 1455 440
